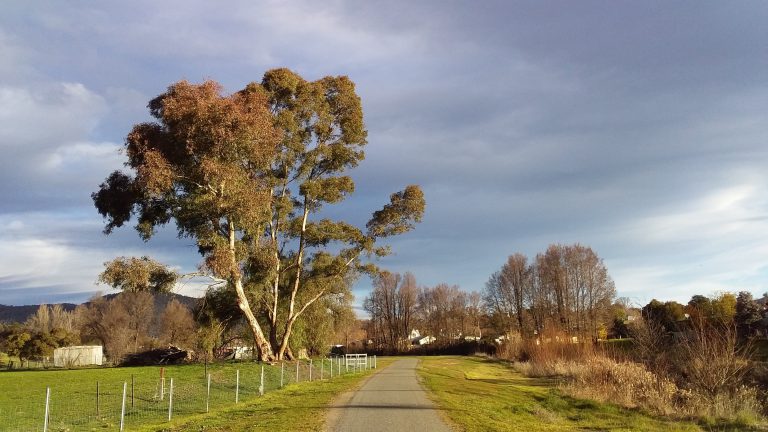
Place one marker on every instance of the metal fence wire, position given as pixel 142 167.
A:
pixel 126 397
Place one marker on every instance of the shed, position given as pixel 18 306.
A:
pixel 78 356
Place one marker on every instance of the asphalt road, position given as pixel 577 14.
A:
pixel 391 400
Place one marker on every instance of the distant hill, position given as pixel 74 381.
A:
pixel 19 314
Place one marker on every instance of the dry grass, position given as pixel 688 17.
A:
pixel 706 381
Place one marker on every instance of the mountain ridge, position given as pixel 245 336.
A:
pixel 19 314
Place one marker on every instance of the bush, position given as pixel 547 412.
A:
pixel 591 375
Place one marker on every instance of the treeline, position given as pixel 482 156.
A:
pixel 563 291
pixel 135 321
pixel 126 323
pixel 566 289
pixel 746 316
pixel 397 306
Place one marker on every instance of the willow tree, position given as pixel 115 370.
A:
pixel 246 176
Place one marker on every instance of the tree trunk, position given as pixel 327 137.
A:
pixel 265 349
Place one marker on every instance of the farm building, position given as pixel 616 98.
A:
pixel 78 356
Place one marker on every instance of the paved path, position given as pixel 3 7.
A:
pixel 391 400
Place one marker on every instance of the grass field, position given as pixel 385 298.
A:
pixel 299 408
pixel 484 395
pixel 74 405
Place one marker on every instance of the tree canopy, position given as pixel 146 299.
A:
pixel 243 175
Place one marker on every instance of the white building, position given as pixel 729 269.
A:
pixel 78 356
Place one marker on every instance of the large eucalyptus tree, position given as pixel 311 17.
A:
pixel 246 175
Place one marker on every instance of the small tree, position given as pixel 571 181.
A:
pixel 748 315
pixel 177 324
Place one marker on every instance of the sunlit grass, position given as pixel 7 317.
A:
pixel 480 394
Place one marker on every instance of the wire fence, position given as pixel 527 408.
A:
pixel 125 397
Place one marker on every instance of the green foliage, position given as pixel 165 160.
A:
pixel 667 314
pixel 138 274
pixel 748 315
pixel 13 339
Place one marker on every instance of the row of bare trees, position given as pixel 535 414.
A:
pixel 397 305
pixel 565 289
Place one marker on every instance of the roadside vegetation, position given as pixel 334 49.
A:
pixel 482 394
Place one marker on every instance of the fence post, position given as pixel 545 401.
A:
pixel 310 370
pixel 47 405
pixel 237 386
pixel 170 400
pixel 122 407
pixel 131 390
pixel 374 361
pixel 261 385
pixel 98 413
pixel 322 367
pixel 208 394
pixel 162 383
pixel 282 373
pixel 297 370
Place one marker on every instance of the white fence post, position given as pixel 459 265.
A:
pixel 208 394
pixel 237 386
pixel 261 385
pixel 47 409
pixel 170 400
pixel 310 370
pixel 330 361
pixel 122 409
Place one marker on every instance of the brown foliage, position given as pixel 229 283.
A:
pixel 177 325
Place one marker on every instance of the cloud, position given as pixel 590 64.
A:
pixel 635 129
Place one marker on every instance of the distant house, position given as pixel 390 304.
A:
pixel 78 356
pixel 242 352
pixel 426 340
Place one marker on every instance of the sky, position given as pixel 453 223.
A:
pixel 636 128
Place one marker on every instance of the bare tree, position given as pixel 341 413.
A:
pixel 177 324
pixel 40 322
pixel 392 305
pixel 566 289
pixel 61 319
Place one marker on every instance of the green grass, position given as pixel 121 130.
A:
pixel 73 393
pixel 300 407
pixel 479 394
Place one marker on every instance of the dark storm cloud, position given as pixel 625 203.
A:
pixel 636 128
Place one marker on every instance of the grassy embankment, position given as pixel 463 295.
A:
pixel 73 397
pixel 481 394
